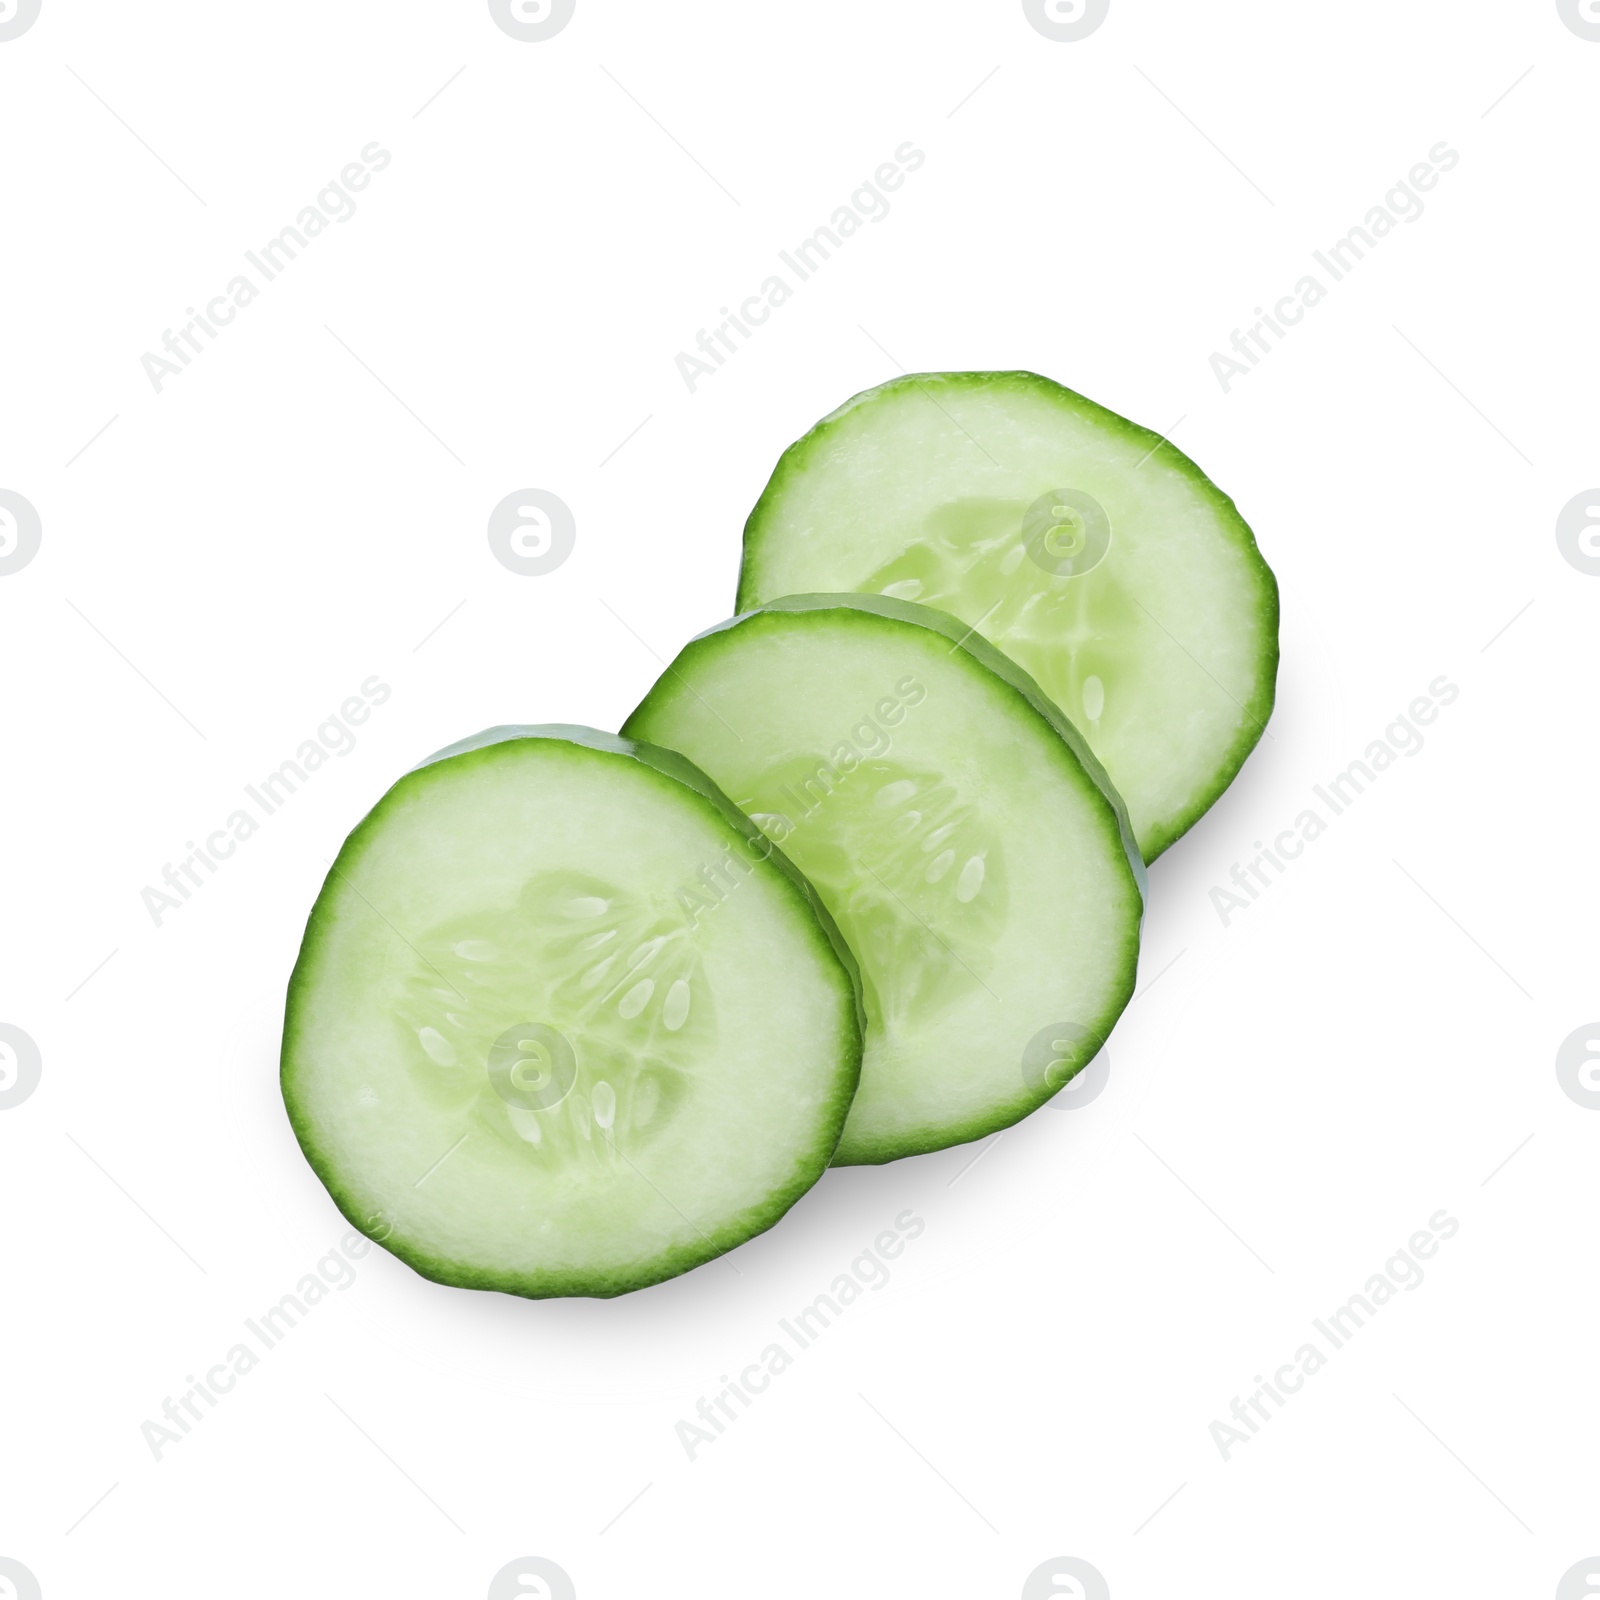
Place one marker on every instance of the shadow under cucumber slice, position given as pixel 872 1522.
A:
pixel 523 1050
pixel 1095 554
pixel 964 838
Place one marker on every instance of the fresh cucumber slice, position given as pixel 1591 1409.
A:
pixel 1093 553
pixel 564 1022
pixel 953 821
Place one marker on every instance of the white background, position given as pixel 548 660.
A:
pixel 306 505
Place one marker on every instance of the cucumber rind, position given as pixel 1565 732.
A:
pixel 1257 708
pixel 672 765
pixel 877 1150
pixel 550 1283
pixel 986 655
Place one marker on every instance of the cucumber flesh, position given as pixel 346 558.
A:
pixel 564 1022
pixel 956 826
pixel 1098 557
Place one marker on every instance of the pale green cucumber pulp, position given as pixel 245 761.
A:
pixel 1088 549
pixel 564 1021
pixel 964 838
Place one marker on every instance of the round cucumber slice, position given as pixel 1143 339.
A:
pixel 963 836
pixel 564 1021
pixel 1093 553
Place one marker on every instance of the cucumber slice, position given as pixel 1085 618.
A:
pixel 961 833
pixel 1094 554
pixel 564 1022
